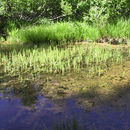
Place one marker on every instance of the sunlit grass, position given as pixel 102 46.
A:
pixel 119 30
pixel 62 32
pixel 93 58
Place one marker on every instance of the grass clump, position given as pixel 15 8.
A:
pixel 55 33
pixel 62 32
pixel 59 60
pixel 119 30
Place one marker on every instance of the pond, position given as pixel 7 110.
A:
pixel 29 110
pixel 74 101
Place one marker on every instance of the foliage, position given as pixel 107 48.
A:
pixel 17 13
pixel 94 58
pixel 66 8
pixel 61 32
pixel 30 10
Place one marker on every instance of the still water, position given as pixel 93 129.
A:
pixel 28 110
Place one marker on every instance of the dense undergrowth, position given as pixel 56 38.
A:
pixel 62 32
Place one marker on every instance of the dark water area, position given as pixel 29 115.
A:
pixel 40 113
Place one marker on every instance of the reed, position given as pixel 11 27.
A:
pixel 62 32
pixel 92 57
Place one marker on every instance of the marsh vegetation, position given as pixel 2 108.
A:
pixel 63 32
pixel 76 51
pixel 60 59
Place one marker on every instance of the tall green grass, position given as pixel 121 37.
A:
pixel 119 30
pixel 55 33
pixel 59 60
pixel 63 32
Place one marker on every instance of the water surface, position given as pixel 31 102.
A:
pixel 26 112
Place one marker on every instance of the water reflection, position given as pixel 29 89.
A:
pixel 26 109
pixel 27 93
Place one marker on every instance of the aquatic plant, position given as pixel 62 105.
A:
pixel 68 126
pixel 94 58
